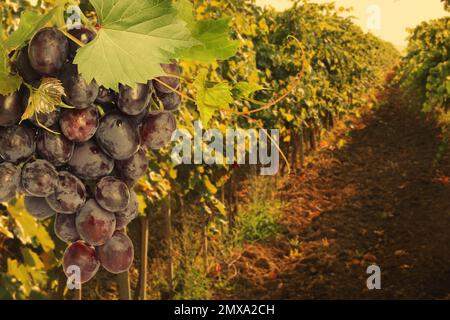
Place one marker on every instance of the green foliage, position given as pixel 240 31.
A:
pixel 258 220
pixel 212 37
pixel 211 98
pixel 26 273
pixel 137 36
pixel 424 72
pixel 30 23
pixel 258 223
pixel 9 83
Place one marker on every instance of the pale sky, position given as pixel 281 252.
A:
pixel 394 15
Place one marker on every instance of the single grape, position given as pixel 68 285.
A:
pixel 48 51
pixel 45 119
pixel 9 181
pixel 94 224
pixel 16 143
pixel 117 137
pixel 38 208
pixel 132 169
pixel 79 125
pixel 123 218
pixel 112 194
pixel 55 148
pixel 133 101
pixel 106 96
pixel 39 178
pixel 117 254
pixel 83 257
pixel 65 228
pixel 84 35
pixel 170 101
pixel 69 195
pixel 24 68
pixel 12 107
pixel 172 82
pixel 157 129
pixel 89 162
pixel 78 93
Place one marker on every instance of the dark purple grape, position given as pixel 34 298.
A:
pixel 106 96
pixel 117 137
pixel 117 254
pixel 172 82
pixel 65 228
pixel 112 194
pixel 170 101
pixel 123 218
pixel 133 101
pixel 84 35
pixel 94 224
pixel 90 162
pixel 45 119
pixel 39 178
pixel 78 93
pixel 24 68
pixel 54 148
pixel 157 129
pixel 137 120
pixel 132 169
pixel 79 125
pixel 9 181
pixel 38 208
pixel 69 195
pixel 48 51
pixel 16 143
pixel 84 257
pixel 11 108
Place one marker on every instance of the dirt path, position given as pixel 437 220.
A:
pixel 378 199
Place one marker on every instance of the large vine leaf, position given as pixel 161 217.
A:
pixel 212 35
pixel 30 23
pixel 135 37
pixel 210 99
pixel 8 83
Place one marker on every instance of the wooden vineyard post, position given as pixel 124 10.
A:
pixel 294 152
pixel 62 283
pixel 124 286
pixel 205 245
pixel 301 147
pixel 312 137
pixel 168 221
pixel 231 204
pixel 123 280
pixel 144 258
pixel 79 293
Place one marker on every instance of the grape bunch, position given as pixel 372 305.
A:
pixel 81 164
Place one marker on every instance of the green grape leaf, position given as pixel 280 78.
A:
pixel 4 227
pixel 30 23
pixel 31 258
pixel 243 90
pixel 45 99
pixel 27 229
pixel 209 185
pixel 212 35
pixel 20 272
pixel 135 37
pixel 210 99
pixel 8 83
